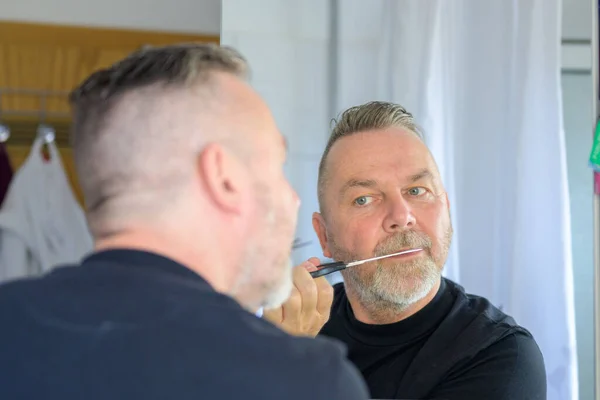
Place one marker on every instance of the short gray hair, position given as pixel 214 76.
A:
pixel 98 98
pixel 365 117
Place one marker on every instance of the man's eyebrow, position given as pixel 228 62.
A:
pixel 352 183
pixel 424 173
pixel 371 183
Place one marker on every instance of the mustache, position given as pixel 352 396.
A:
pixel 402 241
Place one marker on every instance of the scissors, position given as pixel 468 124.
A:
pixel 329 268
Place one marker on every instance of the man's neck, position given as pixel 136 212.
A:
pixel 196 260
pixel 388 313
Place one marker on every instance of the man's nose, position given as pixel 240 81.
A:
pixel 399 216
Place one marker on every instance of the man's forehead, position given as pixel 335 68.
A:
pixel 362 152
pixel 391 138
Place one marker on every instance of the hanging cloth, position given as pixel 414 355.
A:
pixel 41 222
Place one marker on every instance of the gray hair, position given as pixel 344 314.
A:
pixel 364 117
pixel 104 143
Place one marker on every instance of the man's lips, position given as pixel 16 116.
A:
pixel 410 252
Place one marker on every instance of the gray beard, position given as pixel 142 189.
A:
pixel 393 288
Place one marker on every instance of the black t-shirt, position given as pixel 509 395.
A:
pixel 459 347
pixel 134 325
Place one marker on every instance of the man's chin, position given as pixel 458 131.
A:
pixel 281 291
pixel 399 286
pixel 277 297
pixel 418 287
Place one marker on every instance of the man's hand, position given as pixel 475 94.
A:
pixel 309 305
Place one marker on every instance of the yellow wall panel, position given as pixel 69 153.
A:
pixel 55 58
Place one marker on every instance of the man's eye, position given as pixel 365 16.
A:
pixel 362 200
pixel 417 191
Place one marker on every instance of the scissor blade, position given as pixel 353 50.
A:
pixel 353 263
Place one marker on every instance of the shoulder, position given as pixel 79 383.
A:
pixel 519 352
pixel 260 337
pixel 245 354
pixel 484 323
pixel 516 353
pixel 14 291
pixel 478 306
pixel 503 360
pixel 511 368
pixel 292 367
pixel 333 375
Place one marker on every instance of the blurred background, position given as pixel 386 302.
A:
pixel 504 90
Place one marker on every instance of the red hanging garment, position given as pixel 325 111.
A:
pixel 6 172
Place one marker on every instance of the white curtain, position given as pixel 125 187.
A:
pixel 287 46
pixel 482 78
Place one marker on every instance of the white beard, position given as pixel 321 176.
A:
pixel 281 292
pixel 395 289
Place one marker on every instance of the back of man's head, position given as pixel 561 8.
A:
pixel 132 128
pixel 178 155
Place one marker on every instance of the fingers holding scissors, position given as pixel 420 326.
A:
pixel 308 307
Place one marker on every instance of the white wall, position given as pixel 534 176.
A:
pixel 577 90
pixel 578 120
pixel 577 23
pixel 191 16
pixel 286 44
pixel 576 33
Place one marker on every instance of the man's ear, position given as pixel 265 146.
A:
pixel 321 230
pixel 223 177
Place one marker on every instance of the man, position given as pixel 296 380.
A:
pixel 412 334
pixel 181 166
